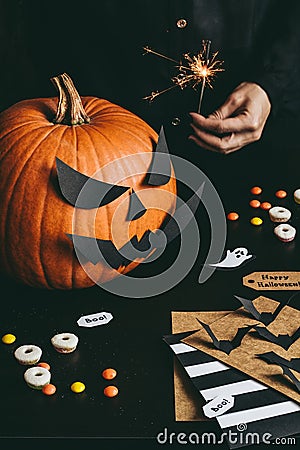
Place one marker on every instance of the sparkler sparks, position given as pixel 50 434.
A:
pixel 194 70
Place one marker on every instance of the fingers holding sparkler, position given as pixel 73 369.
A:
pixel 225 144
pixel 238 122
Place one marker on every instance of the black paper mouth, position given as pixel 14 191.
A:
pixel 106 249
pixel 95 250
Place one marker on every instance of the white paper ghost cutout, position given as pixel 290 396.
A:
pixel 233 259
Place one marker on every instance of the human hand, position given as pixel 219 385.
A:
pixel 238 122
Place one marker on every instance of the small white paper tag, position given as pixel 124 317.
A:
pixel 93 320
pixel 218 406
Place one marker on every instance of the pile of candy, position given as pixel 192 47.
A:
pixel 39 376
pixel 277 214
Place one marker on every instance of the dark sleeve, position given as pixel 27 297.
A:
pixel 278 48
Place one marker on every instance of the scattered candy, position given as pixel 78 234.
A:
pixel 279 214
pixel 111 391
pixel 285 232
pixel 8 338
pixel 44 364
pixel 256 190
pixel 266 206
pixel 64 342
pixel 37 377
pixel 256 221
pixel 49 389
pixel 232 216
pixel 109 374
pixel 28 354
pixel 77 387
pixel 255 203
pixel 297 196
pixel 281 194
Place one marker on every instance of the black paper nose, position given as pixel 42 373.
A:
pixel 136 207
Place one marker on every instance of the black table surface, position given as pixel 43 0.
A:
pixel 132 342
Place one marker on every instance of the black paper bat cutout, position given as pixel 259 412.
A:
pixel 95 193
pixel 226 345
pixel 265 317
pixel 291 376
pixel 98 193
pixel 273 358
pixel 294 363
pixel 284 340
pixel 94 250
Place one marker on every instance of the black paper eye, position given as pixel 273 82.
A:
pixel 95 194
pixel 159 172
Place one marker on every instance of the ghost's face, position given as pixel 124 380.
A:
pixel 239 253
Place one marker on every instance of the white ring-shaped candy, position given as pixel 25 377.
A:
pixel 285 232
pixel 297 196
pixel 37 377
pixel 65 342
pixel 279 214
pixel 28 354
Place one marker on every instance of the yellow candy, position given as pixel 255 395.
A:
pixel 8 338
pixel 256 221
pixel 77 387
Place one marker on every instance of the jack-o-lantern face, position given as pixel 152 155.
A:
pixel 126 248
pixel 135 211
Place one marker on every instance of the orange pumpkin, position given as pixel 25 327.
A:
pixel 88 134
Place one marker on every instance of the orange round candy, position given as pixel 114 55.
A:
pixel 266 206
pixel 111 391
pixel 232 216
pixel 281 194
pixel 44 365
pixel 255 203
pixel 256 190
pixel 109 374
pixel 49 389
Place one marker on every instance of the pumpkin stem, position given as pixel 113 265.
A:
pixel 70 110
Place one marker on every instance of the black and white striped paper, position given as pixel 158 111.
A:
pixel 257 408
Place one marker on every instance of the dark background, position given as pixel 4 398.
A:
pixel 38 41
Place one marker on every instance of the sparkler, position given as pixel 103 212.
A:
pixel 197 69
pixel 206 50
